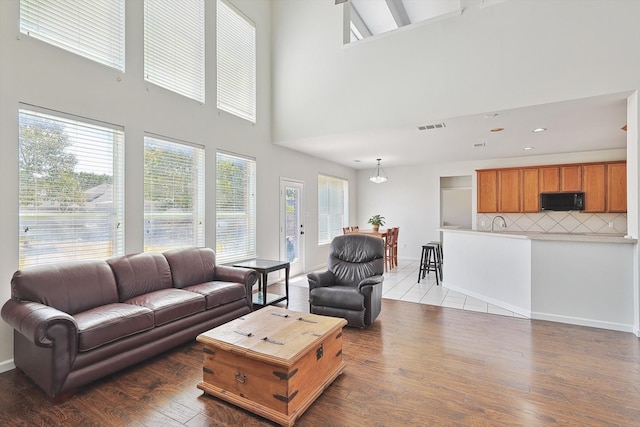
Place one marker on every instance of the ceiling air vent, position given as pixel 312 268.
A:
pixel 434 126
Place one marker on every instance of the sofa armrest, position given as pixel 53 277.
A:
pixel 246 276
pixel 34 320
pixel 318 279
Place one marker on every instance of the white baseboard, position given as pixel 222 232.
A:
pixel 7 365
pixel 584 322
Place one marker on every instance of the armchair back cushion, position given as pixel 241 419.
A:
pixel 72 287
pixel 141 273
pixel 354 257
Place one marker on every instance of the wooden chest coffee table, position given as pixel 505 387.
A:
pixel 273 362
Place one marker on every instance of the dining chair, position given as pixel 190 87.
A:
pixel 345 230
pixel 389 243
pixel 355 228
pixel 396 231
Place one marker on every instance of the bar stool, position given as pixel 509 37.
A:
pixel 429 261
pixel 439 254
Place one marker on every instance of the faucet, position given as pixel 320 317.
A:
pixel 503 225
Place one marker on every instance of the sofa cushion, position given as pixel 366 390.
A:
pixel 139 274
pixel 170 304
pixel 102 325
pixel 191 266
pixel 72 287
pixel 219 293
pixel 346 297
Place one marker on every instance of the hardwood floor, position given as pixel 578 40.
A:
pixel 417 365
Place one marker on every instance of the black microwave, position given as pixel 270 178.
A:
pixel 561 201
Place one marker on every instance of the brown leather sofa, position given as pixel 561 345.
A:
pixel 79 321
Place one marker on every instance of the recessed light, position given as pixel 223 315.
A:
pixel 528 148
pixel 357 161
pixel 478 144
pixel 539 130
pixel 497 129
pixel 490 115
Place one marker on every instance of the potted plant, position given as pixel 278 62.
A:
pixel 376 221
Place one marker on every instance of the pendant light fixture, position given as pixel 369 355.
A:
pixel 378 176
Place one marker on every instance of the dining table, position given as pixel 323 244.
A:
pixel 380 233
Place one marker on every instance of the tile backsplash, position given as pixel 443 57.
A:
pixel 558 222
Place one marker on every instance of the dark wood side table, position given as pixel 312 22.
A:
pixel 264 267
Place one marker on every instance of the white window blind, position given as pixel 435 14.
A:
pixel 333 207
pixel 93 29
pixel 235 207
pixel 236 54
pixel 70 188
pixel 174 46
pixel 173 195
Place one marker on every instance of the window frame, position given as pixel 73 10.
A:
pixel 175 214
pixel 61 227
pixel 236 62
pixel 65 27
pixel 248 216
pixel 326 231
pixel 174 53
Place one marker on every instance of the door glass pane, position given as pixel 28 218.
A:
pixel 292 223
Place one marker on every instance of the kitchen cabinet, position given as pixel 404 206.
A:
pixel 509 190
pixel 518 189
pixel 593 185
pixel 549 179
pixel 571 178
pixel 530 190
pixel 616 187
pixel 487 191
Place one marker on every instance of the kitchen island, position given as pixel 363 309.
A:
pixel 583 279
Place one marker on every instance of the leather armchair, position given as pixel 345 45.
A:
pixel 351 287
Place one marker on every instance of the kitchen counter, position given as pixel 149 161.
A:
pixel 583 279
pixel 537 235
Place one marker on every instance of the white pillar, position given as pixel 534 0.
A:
pixel 633 205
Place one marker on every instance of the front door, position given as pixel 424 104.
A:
pixel 291 224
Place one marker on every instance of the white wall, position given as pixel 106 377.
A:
pixel 36 73
pixel 516 53
pixel 583 283
pixel 495 269
pixel 633 202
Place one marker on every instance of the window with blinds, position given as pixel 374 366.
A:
pixel 174 46
pixel 93 29
pixel 236 54
pixel 333 207
pixel 173 195
pixel 70 188
pixel 235 207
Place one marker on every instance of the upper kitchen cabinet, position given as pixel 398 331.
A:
pixel 616 187
pixel 530 190
pixel 593 185
pixel 518 189
pixel 509 190
pixel 487 191
pixel 571 178
pixel 549 179
pixel 560 178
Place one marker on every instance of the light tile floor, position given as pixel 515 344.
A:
pixel 401 283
